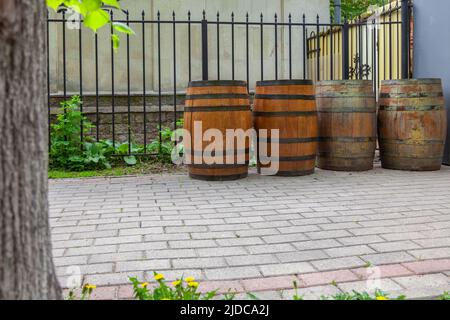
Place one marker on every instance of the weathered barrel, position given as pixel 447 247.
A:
pixel 290 107
pixel 347 125
pixel 217 106
pixel 412 124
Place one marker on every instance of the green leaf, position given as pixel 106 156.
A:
pixel 131 160
pixel 92 5
pixel 115 41
pixel 96 19
pixel 112 3
pixel 54 4
pixel 122 27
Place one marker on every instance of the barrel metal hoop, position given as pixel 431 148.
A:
pixel 348 139
pixel 217 96
pixel 288 140
pixel 396 156
pixel 218 178
pixel 349 110
pixel 200 153
pixel 218 108
pixel 284 113
pixel 410 142
pixel 285 97
pixel 411 108
pixel 329 155
pixel 411 95
pixel 217 83
pixel 283 83
pixel 218 166
pixel 289 159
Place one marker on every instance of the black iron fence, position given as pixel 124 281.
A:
pixel 132 94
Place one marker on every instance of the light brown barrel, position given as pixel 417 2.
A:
pixel 412 124
pixel 290 107
pixel 220 106
pixel 347 125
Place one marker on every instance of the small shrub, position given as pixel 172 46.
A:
pixel 180 289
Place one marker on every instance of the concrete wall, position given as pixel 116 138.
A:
pixel 432 49
pixel 181 7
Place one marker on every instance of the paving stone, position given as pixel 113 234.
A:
pixel 348 241
pixel 428 266
pixel 348 251
pixel 423 281
pixel 386 271
pixel 387 258
pixel 223 252
pixel 116 256
pixel 286 269
pixel 184 263
pixel 299 256
pixel 312 293
pixel 112 278
pixel 434 253
pixel 232 273
pixel 268 283
pixel 326 278
pixel 271 248
pixel 338 263
pixel 385 285
pixel 147 265
pixel 251 260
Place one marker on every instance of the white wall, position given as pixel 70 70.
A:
pixel 181 7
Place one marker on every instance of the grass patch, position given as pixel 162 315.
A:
pixel 140 168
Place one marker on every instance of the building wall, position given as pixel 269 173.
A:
pixel 431 53
pixel 240 7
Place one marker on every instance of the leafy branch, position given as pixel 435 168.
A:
pixel 95 15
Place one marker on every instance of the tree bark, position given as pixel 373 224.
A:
pixel 26 266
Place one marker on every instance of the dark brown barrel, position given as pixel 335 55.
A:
pixel 219 105
pixel 347 125
pixel 290 107
pixel 412 124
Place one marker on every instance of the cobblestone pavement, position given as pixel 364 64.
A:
pixel 261 227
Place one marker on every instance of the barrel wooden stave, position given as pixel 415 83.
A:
pixel 347 125
pixel 218 105
pixel 289 106
pixel 412 124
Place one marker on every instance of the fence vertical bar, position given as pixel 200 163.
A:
pixel 331 53
pixel 290 46
pixel 374 57
pixel 48 84
pixel 262 46
pixel 113 100
pixel 159 83
pixel 247 51
pixel 97 116
pixel 205 72
pixel 190 46
pixel 345 50
pixel 304 46
pixel 232 46
pixel 405 39
pixel 390 42
pixel 80 58
pixel 128 87
pixel 144 91
pixel 64 54
pixel 318 47
pixel 174 72
pixel 218 45
pixel 276 46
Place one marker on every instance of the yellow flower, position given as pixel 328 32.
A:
pixel 89 286
pixel 382 298
pixel 176 283
pixel 190 279
pixel 159 276
pixel 193 284
pixel 165 299
pixel 144 285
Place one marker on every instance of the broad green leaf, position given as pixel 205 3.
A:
pixel 92 5
pixel 96 19
pixel 115 41
pixel 54 4
pixel 131 160
pixel 77 6
pixel 112 3
pixel 122 27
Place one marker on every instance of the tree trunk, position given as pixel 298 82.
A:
pixel 26 266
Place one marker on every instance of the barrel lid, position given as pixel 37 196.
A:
pixel 344 82
pixel 412 81
pixel 218 83
pixel 292 82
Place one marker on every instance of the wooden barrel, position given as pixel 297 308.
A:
pixel 217 105
pixel 412 124
pixel 347 125
pixel 290 107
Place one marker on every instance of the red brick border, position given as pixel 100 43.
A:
pixel 303 281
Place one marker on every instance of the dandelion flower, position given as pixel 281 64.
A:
pixel 176 283
pixel 144 285
pixel 382 298
pixel 190 279
pixel 159 276
pixel 193 284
